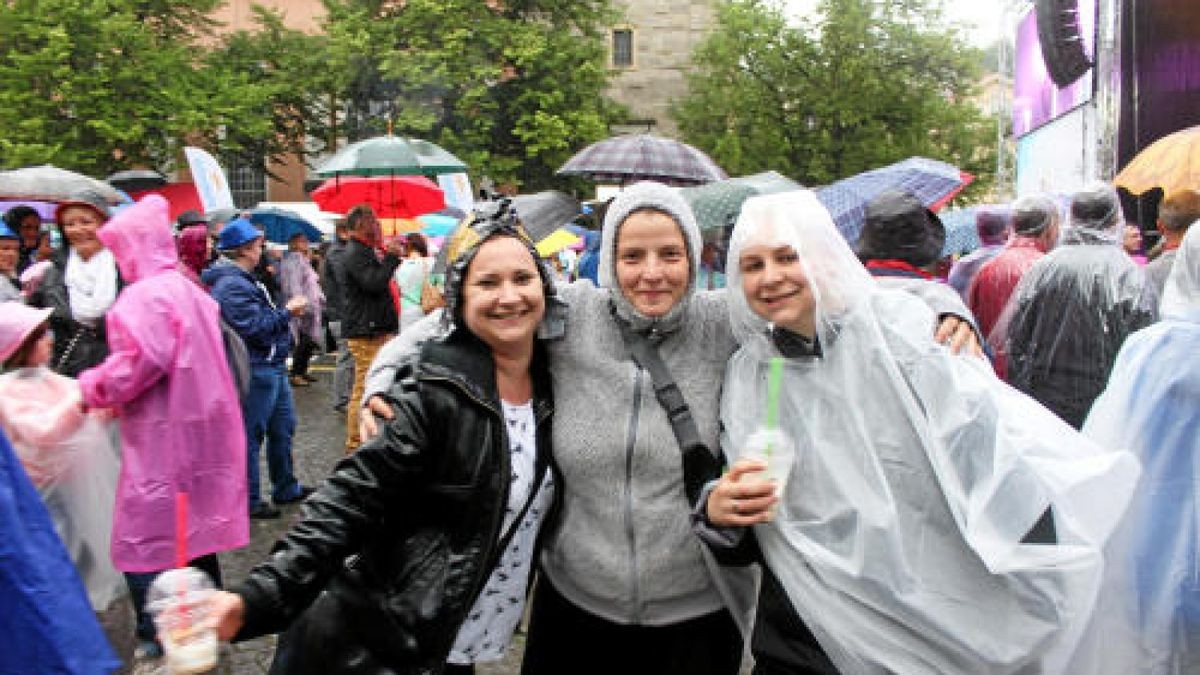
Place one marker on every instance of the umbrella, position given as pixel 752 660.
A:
pixel 931 181
pixel 391 156
pixel 180 197
pixel 44 209
pixel 134 180
pixel 389 196
pixel 556 241
pixel 961 234
pixel 544 212
pixel 1171 163
pixel 280 225
pixel 437 226
pixel 718 204
pixel 633 157
pixel 51 184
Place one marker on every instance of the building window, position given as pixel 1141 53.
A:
pixel 247 182
pixel 622 47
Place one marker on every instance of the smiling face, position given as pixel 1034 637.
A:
pixel 777 288
pixel 503 295
pixel 10 250
pixel 80 224
pixel 652 265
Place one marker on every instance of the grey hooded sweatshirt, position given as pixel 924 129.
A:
pixel 624 548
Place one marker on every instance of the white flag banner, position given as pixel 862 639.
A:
pixel 457 188
pixel 209 177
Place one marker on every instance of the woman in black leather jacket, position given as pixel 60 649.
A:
pixel 415 555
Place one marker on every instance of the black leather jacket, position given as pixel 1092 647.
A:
pixel 77 347
pixel 400 539
pixel 367 306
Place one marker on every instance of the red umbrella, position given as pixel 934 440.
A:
pixel 389 196
pixel 180 197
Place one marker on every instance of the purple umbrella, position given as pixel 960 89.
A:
pixel 44 209
pixel 630 158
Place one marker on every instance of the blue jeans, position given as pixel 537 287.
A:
pixel 269 412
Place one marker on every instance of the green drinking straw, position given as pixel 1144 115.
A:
pixel 774 381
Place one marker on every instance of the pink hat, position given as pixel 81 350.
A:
pixel 17 321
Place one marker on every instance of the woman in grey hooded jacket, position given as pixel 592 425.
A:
pixel 626 586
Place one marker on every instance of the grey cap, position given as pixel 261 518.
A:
pixel 89 198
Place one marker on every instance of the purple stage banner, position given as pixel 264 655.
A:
pixel 1036 99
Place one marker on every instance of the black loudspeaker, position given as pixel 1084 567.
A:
pixel 1062 43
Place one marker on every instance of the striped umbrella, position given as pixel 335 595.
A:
pixel 633 157
pixel 931 181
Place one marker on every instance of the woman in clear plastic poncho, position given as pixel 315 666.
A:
pixel 1074 308
pixel 935 520
pixel 1152 407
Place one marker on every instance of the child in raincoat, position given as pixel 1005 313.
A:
pixel 67 454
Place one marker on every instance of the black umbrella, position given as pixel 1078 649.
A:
pixel 544 212
pixel 136 180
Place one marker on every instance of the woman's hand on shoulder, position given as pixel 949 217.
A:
pixel 959 335
pixel 741 498
pixel 368 427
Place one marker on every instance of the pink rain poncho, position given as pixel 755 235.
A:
pixel 181 424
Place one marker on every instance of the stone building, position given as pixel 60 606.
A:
pixel 651 50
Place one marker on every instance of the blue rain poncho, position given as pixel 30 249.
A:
pixel 902 537
pixel 47 625
pixel 1152 407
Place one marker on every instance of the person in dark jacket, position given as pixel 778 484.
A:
pixel 1074 308
pixel 80 286
pixel 415 555
pixel 369 316
pixel 26 222
pixel 267 408
pixel 331 279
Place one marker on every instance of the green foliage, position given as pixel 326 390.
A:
pixel 861 85
pixel 101 85
pixel 512 88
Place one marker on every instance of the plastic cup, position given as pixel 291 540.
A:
pixel 178 600
pixel 775 449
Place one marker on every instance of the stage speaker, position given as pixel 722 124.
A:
pixel 1062 44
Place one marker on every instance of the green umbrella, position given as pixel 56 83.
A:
pixel 717 204
pixel 391 156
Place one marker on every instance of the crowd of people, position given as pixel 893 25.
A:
pixel 824 454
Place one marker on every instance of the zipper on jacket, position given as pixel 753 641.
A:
pixel 497 514
pixel 630 537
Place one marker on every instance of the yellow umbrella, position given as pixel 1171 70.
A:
pixel 395 226
pixel 556 241
pixel 1171 163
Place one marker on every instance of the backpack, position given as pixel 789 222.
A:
pixel 238 358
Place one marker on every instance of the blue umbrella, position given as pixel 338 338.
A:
pixel 961 233
pixel 437 226
pixel 928 180
pixel 280 225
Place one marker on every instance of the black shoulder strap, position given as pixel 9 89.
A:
pixel 700 463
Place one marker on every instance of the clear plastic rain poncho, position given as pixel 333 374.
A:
pixel 72 461
pixel 1152 407
pixel 1071 311
pixel 902 534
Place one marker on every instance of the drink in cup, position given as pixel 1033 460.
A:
pixel 775 449
pixel 178 600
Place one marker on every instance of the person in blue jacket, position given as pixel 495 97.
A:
pixel 267 408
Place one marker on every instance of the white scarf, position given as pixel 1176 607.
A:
pixel 91 285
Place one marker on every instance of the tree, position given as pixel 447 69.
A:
pixel 101 85
pixel 860 85
pixel 510 87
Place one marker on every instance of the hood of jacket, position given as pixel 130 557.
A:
pixel 648 195
pixel 140 239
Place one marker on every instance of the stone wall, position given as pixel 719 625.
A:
pixel 665 33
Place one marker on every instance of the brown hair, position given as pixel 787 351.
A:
pixel 20 358
pixel 1180 209
pixel 356 216
pixel 416 242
